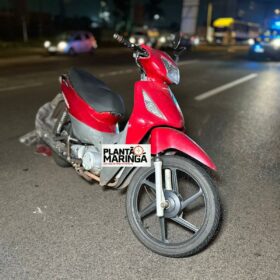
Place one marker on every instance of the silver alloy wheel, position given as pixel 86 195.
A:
pixel 193 212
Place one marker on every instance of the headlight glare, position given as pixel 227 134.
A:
pixel 173 73
pixel 251 41
pixel 47 44
pixel 162 39
pixel 62 46
pixel 276 43
pixel 141 41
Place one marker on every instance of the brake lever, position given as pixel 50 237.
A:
pixel 177 53
pixel 142 52
pixel 180 51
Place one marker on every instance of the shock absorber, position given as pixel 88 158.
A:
pixel 62 120
pixel 160 199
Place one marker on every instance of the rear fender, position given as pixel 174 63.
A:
pixel 165 138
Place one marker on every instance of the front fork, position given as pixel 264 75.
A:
pixel 161 202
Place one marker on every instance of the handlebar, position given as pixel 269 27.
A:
pixel 129 45
pixel 122 40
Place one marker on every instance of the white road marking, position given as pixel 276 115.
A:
pixel 20 86
pixel 125 71
pixel 108 74
pixel 115 73
pixel 185 62
pixel 217 90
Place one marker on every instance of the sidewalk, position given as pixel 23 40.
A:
pixel 34 55
pixel 213 48
pixel 9 52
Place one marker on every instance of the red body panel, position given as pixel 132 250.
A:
pixel 164 138
pixel 153 65
pixel 166 131
pixel 141 120
pixel 78 108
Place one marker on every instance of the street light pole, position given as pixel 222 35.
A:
pixel 209 20
pixel 20 7
pixel 24 29
pixel 130 20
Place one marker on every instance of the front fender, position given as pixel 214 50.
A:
pixel 164 138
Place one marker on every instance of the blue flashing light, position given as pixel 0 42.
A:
pixel 275 25
pixel 258 49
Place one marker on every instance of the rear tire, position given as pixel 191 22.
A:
pixel 58 114
pixel 60 161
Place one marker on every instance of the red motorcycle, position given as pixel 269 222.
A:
pixel 172 206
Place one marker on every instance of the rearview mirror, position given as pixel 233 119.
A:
pixel 176 41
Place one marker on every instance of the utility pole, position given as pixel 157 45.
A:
pixel 20 8
pixel 130 20
pixel 209 20
pixel 24 29
pixel 40 23
pixel 189 16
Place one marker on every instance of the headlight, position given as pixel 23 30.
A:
pixel 141 41
pixel 162 39
pixel 276 43
pixel 151 106
pixel 173 73
pixel 132 40
pixel 47 44
pixel 62 46
pixel 251 42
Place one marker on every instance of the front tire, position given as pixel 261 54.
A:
pixel 161 240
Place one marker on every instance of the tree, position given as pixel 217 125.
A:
pixel 20 7
pixel 153 8
pixel 122 11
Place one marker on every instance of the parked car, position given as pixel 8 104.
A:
pixel 72 43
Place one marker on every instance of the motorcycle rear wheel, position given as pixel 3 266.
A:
pixel 159 234
pixel 59 111
pixel 60 161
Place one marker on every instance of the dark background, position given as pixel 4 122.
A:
pixel 48 17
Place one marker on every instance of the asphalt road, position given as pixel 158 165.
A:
pixel 54 225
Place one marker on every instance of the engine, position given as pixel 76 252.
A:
pixel 90 156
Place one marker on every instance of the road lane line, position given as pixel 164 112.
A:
pixel 20 87
pixel 115 73
pixel 108 74
pixel 217 90
pixel 125 71
pixel 185 62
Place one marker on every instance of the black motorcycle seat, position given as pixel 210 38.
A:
pixel 95 92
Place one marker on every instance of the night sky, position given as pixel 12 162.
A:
pixel 258 11
pixel 91 8
pixel 249 10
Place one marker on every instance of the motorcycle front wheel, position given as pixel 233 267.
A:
pixel 191 218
